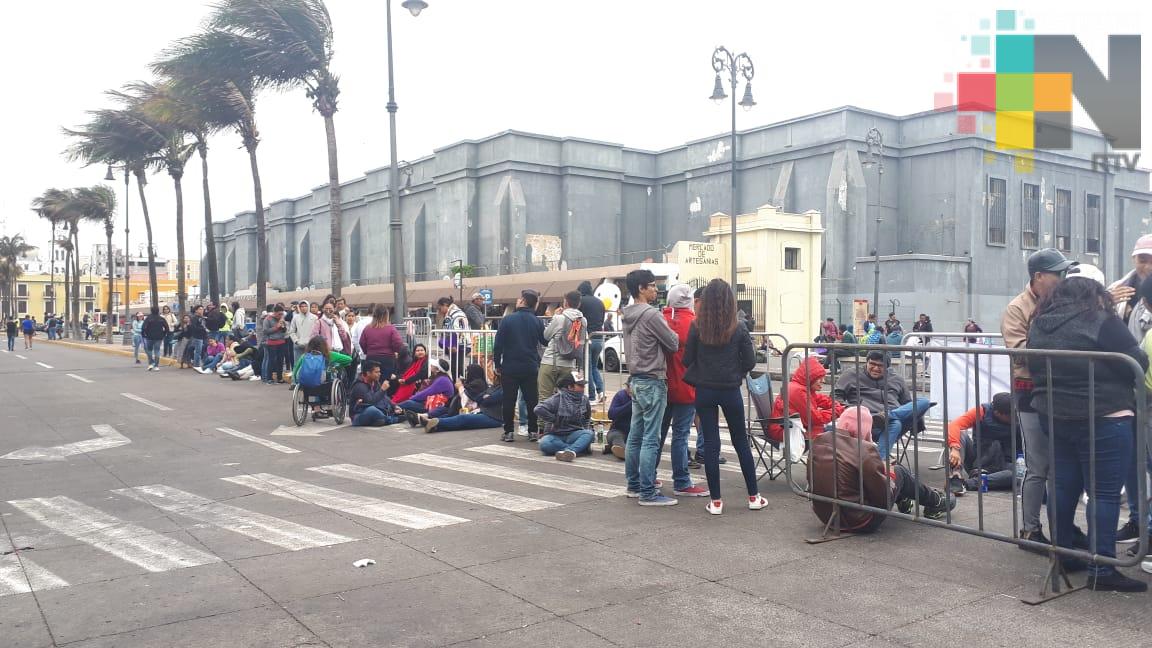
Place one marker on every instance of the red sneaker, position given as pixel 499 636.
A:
pixel 691 491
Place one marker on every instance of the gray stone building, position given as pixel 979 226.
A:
pixel 958 215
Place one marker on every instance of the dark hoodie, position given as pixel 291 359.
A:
pixel 592 308
pixel 565 411
pixel 1076 326
pixel 805 401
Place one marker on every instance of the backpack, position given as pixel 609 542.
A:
pixel 311 372
pixel 570 341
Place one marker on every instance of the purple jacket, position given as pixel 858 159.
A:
pixel 441 385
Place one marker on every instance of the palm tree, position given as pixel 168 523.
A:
pixel 98 204
pixel 215 67
pixel 172 157
pixel 123 137
pixel 58 206
pixel 46 206
pixel 292 48
pixel 11 249
pixel 65 243
pixel 178 102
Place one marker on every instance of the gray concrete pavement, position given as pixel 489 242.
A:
pixel 233 543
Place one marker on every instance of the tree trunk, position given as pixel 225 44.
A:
pixel 68 285
pixel 335 230
pixel 181 288
pixel 209 236
pixel 111 280
pixel 152 285
pixel 75 322
pixel 261 229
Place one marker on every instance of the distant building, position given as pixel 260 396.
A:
pixel 36 296
pixel 958 216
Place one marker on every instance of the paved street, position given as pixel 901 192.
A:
pixel 159 509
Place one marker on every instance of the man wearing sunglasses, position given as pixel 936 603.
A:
pixel 1046 268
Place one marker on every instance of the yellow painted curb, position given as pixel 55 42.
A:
pixel 110 349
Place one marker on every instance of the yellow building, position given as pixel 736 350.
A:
pixel 141 292
pixel 779 258
pixel 34 295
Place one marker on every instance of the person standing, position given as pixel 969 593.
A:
pixel 137 336
pixel 239 318
pixel 681 408
pixel 154 330
pixel 28 327
pixel 276 343
pixel 564 333
pixel 1088 410
pixel 474 311
pixel 453 342
pixel 593 311
pixel 300 330
pixel 647 338
pixel 516 358
pixel 719 354
pixel 1046 268
pixel 10 329
pixel 892 325
pixel 380 342
pixel 197 336
pixel 51 327
pixel 171 321
pixel 972 327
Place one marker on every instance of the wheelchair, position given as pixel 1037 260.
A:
pixel 332 396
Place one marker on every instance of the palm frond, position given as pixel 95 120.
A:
pixel 296 36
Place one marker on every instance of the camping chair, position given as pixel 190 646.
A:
pixel 904 443
pixel 770 454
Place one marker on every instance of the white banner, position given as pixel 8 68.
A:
pixel 993 372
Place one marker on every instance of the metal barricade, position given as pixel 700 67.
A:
pixel 1055 582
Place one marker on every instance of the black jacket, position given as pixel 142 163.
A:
pixel 364 395
pixel 1082 327
pixel 154 328
pixel 593 310
pixel 516 351
pixel 195 329
pixel 718 367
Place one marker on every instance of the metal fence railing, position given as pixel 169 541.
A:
pixel 1062 438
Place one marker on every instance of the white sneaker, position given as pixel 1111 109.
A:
pixel 715 507
pixel 757 502
pixel 157 368
pixel 149 368
pixel 254 378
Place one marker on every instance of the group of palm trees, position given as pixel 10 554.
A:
pixel 12 248
pixel 206 84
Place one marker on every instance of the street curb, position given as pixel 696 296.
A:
pixel 113 349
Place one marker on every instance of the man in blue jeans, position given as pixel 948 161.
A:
pixel 567 415
pixel 369 402
pixel 681 408
pixel 593 311
pixel 880 389
pixel 647 338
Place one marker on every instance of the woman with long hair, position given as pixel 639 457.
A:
pixel 718 355
pixel 381 342
pixel 413 376
pixel 1080 396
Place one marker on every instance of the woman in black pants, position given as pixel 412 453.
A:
pixel 718 355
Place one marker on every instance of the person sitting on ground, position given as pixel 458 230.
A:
pixel 413 371
pixel 842 459
pixel 567 419
pixel 369 403
pixel 481 405
pixel 620 413
pixel 242 354
pixel 213 355
pixel 437 394
pixel 882 390
pixel 312 375
pixel 805 402
pixel 992 456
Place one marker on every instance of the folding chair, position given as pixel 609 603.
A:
pixel 770 455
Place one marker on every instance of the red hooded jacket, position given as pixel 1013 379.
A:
pixel 679 392
pixel 805 400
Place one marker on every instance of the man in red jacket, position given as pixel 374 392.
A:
pixel 681 396
pixel 805 401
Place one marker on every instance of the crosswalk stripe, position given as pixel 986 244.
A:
pixel 46 366
pixel 145 401
pixel 460 492
pixel 135 544
pixel 528 454
pixel 80 378
pixel 571 484
pixel 18 575
pixel 278 447
pixel 369 507
pixel 264 528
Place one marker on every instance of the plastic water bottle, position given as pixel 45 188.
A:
pixel 1021 472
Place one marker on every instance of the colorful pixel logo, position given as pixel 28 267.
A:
pixel 1034 80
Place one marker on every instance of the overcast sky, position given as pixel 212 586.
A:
pixel 635 72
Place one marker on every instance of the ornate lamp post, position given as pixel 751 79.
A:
pixel 737 66
pixel 875 143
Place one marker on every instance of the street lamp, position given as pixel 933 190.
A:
pixel 108 176
pixel 395 224
pixel 875 143
pixel 737 66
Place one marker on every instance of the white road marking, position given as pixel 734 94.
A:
pixel 613 466
pixel 142 547
pixel 21 357
pixel 255 439
pixel 304 431
pixel 108 438
pixel 80 378
pixel 264 528
pixel 369 507
pixel 570 484
pixel 470 494
pixel 30 578
pixel 46 366
pixel 138 399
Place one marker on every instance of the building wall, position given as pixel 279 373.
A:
pixel 479 200
pixel 34 295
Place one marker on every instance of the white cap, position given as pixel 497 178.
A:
pixel 1087 271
